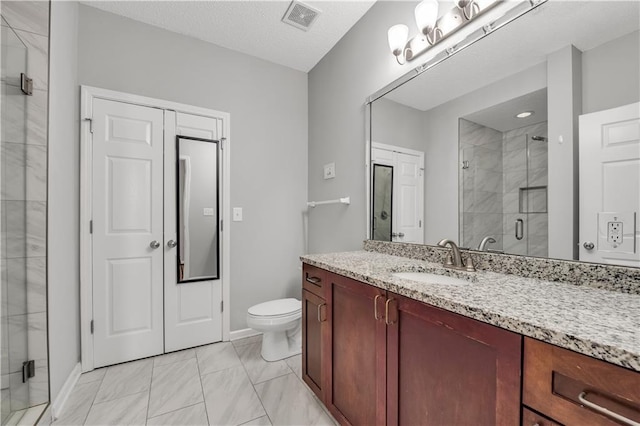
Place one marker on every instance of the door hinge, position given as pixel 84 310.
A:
pixel 90 120
pixel 419 224
pixel 91 326
pixel 221 225
pixel 222 143
pixel 28 370
pixel 26 84
pixel 222 306
pixel 91 226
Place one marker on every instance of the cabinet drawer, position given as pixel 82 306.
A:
pixel 313 279
pixel 576 389
pixel 531 418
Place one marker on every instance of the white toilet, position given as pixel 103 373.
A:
pixel 280 321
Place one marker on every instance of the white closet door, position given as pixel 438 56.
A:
pixel 193 310
pixel 127 218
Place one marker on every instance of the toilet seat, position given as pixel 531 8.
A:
pixel 280 308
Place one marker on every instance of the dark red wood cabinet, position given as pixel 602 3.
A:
pixel 388 359
pixel 314 328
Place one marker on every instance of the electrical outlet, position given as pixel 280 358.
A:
pixel 207 211
pixel 617 234
pixel 330 171
pixel 614 232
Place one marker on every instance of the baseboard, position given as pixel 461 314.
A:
pixel 243 334
pixel 67 388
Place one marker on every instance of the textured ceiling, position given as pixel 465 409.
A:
pixel 518 46
pixel 251 27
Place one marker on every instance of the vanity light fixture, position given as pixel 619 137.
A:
pixel 431 29
pixel 398 36
pixel 525 114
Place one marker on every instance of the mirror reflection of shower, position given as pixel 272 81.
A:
pixel 504 177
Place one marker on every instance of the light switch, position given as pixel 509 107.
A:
pixel 330 171
pixel 237 214
pixel 207 211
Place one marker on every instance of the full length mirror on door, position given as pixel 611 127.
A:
pixel 198 209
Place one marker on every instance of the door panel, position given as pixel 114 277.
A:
pixel 193 310
pixel 407 193
pixel 127 217
pixel 355 390
pixel 610 184
pixel 471 377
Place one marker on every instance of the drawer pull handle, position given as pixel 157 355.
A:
pixel 386 312
pixel 320 306
pixel 312 280
pixel 606 412
pixel 375 307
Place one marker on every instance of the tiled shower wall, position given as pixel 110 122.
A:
pixel 23 208
pixel 481 198
pixel 522 171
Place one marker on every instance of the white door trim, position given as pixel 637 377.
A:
pixel 88 94
pixel 400 149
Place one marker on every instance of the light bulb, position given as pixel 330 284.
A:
pixel 426 15
pixel 398 36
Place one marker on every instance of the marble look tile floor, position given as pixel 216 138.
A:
pixel 225 383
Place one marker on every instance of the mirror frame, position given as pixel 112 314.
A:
pixel 217 209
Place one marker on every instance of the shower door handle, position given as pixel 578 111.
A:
pixel 519 229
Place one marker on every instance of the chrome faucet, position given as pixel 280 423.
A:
pixel 455 259
pixel 483 244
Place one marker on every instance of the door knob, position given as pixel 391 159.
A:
pixel 589 245
pixel 172 243
pixel 154 244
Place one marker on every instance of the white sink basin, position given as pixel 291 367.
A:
pixel 427 277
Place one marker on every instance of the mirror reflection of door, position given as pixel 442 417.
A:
pixel 198 209
pixel 407 194
pixel 382 202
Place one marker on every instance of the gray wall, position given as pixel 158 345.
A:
pixel 396 124
pixel 268 107
pixel 358 65
pixel 610 74
pixel 64 198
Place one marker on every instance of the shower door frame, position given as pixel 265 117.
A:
pixel 88 93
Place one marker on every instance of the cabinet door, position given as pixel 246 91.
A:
pixel 355 386
pixel 314 317
pixel 445 369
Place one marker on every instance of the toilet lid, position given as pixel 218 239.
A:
pixel 277 307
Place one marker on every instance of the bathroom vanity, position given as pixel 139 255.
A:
pixel 475 348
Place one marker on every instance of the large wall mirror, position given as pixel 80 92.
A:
pixel 197 209
pixel 530 137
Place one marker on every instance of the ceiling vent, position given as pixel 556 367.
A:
pixel 300 15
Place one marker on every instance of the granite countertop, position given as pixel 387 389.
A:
pixel 600 323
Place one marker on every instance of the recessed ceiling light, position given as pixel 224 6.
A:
pixel 524 114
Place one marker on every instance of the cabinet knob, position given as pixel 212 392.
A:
pixel 172 243
pixel 589 245
pixel 154 244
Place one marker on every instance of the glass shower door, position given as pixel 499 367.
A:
pixel 15 393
